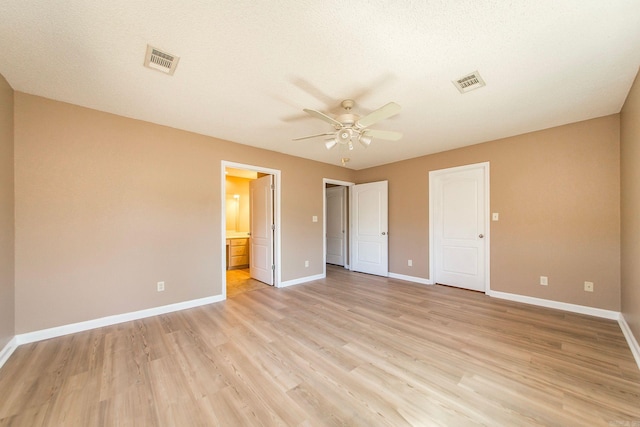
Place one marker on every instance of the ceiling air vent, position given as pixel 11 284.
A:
pixel 469 82
pixel 161 61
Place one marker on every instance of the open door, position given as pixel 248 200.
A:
pixel 336 216
pixel 262 230
pixel 369 208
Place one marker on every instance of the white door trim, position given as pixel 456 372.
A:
pixel 487 239
pixel 347 259
pixel 223 225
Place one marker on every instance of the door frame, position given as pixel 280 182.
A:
pixel 484 166
pixel 347 258
pixel 276 216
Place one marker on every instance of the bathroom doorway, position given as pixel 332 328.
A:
pixel 250 217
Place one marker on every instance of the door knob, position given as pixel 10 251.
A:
pixel 384 233
pixel 481 236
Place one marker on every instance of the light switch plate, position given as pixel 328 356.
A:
pixel 495 216
pixel 314 218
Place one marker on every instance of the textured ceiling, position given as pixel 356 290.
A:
pixel 248 68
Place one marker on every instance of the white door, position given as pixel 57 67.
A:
pixel 336 225
pixel 459 227
pixel 369 227
pixel 261 250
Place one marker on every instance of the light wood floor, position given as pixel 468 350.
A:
pixel 239 281
pixel 352 349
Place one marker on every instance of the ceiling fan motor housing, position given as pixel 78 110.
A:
pixel 347 119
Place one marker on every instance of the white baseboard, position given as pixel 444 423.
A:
pixel 301 280
pixel 631 339
pixel 44 334
pixel 8 350
pixel 410 279
pixel 574 308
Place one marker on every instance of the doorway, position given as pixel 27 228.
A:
pixel 459 226
pixel 336 236
pixel 361 211
pixel 250 227
pixel 336 223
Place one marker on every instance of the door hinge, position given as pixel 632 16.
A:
pixel 273 266
pixel 273 187
pixel 273 227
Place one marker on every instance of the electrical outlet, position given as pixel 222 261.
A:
pixel 160 286
pixel 544 280
pixel 588 286
pixel 306 263
pixel 410 263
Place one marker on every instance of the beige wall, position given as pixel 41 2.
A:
pixel 630 183
pixel 557 193
pixel 107 206
pixel 7 300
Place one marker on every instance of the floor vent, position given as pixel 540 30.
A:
pixel 161 61
pixel 469 82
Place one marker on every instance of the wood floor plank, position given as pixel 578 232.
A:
pixel 350 349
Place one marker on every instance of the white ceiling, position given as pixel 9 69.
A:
pixel 248 68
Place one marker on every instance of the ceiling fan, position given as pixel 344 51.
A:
pixel 349 126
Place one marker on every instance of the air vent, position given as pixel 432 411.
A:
pixel 161 61
pixel 469 82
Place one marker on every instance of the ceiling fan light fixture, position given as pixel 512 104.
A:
pixel 350 146
pixel 365 140
pixel 330 143
pixel 344 136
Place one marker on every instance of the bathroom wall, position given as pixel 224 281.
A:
pixel 238 208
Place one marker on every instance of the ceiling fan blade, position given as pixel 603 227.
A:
pixel 324 117
pixel 312 90
pixel 391 109
pixel 388 135
pixel 314 136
